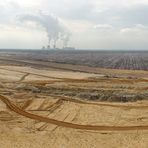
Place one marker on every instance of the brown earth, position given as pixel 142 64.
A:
pixel 58 108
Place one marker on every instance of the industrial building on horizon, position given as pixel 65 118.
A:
pixel 55 48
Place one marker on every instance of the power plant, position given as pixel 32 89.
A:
pixel 48 47
pixel 55 29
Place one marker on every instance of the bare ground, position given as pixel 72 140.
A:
pixel 59 108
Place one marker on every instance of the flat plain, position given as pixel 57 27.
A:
pixel 46 103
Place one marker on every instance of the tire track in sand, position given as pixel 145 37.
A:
pixel 24 77
pixel 16 109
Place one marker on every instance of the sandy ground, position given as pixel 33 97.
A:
pixel 26 116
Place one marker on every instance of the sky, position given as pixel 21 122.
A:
pixel 83 24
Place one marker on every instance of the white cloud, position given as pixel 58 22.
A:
pixel 138 30
pixel 103 26
pixel 93 23
pixel 18 37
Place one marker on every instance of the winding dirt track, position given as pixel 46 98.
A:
pixel 16 109
pixel 23 77
pixel 27 73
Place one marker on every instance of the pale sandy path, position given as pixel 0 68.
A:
pixel 16 109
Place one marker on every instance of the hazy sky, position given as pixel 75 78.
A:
pixel 98 24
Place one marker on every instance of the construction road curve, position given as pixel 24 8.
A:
pixel 19 111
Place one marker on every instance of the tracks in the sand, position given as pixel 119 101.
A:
pixel 23 77
pixel 18 110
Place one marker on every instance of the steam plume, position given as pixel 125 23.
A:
pixel 54 28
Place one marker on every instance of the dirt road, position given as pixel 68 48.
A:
pixel 16 109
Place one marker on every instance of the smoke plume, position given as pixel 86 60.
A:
pixel 65 38
pixel 53 26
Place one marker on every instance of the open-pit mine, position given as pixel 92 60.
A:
pixel 53 104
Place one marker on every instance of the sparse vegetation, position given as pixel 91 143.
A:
pixel 40 98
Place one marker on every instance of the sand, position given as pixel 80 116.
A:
pixel 44 119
